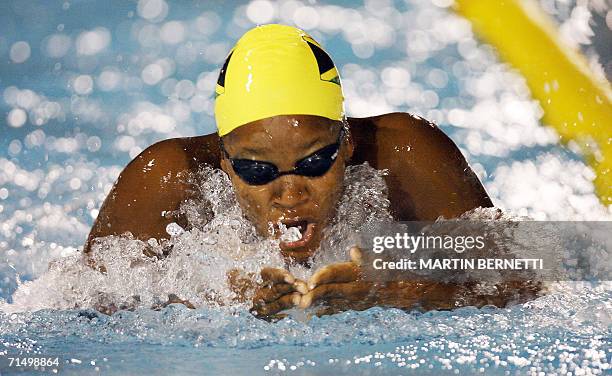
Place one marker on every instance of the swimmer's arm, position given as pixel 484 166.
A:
pixel 145 195
pixel 428 175
pixel 413 295
pixel 339 287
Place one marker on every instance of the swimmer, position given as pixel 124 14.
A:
pixel 284 141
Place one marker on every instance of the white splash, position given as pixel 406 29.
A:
pixel 217 241
pixel 291 234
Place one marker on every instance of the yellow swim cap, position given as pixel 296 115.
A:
pixel 276 70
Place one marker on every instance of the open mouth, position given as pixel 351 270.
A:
pixel 299 233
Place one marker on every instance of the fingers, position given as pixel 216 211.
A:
pixel 300 286
pixel 284 291
pixel 284 302
pixel 276 275
pixel 281 276
pixel 270 294
pixel 335 273
pixel 351 291
pixel 339 273
pixel 281 291
pixel 356 256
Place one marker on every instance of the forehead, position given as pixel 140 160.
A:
pixel 279 131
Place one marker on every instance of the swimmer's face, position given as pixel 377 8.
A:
pixel 308 203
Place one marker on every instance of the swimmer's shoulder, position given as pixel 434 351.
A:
pixel 177 155
pixel 163 169
pixel 425 138
pixel 427 176
pixel 150 189
pixel 202 150
pixel 380 137
pixel 395 124
pixel 166 155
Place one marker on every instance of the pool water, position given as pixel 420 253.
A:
pixel 566 331
pixel 87 87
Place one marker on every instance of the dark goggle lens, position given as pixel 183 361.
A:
pixel 260 173
pixel 254 172
pixel 318 163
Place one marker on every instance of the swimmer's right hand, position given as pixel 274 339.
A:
pixel 279 291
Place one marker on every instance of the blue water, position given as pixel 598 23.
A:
pixel 90 107
pixel 558 332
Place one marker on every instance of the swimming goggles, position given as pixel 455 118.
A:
pixel 259 172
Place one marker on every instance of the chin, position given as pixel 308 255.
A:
pixel 297 256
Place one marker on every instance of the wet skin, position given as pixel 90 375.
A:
pixel 428 177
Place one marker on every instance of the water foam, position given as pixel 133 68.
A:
pixel 217 240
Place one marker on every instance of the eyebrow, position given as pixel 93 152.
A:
pixel 312 143
pixel 253 151
pixel 256 151
pixel 318 140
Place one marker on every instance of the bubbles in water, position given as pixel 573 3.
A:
pixel 261 11
pixel 152 10
pixel 442 3
pixel 429 99
pixel 17 117
pixel 57 45
pixel 94 143
pixel 395 77
pixel 20 52
pixel 93 42
pixel 173 229
pixel 306 17
pixel 83 84
pixel 125 143
pixel 576 29
pixel 437 78
pixel 563 186
pixel 14 147
pixel 184 89
pixel 363 50
pixel 172 32
pixel 208 22
pixel 109 79
pixel 152 74
pixel 75 183
pixel 36 138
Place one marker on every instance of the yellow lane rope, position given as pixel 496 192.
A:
pixel 575 102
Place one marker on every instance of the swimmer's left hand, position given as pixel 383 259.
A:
pixel 340 281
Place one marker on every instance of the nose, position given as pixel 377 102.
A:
pixel 290 192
